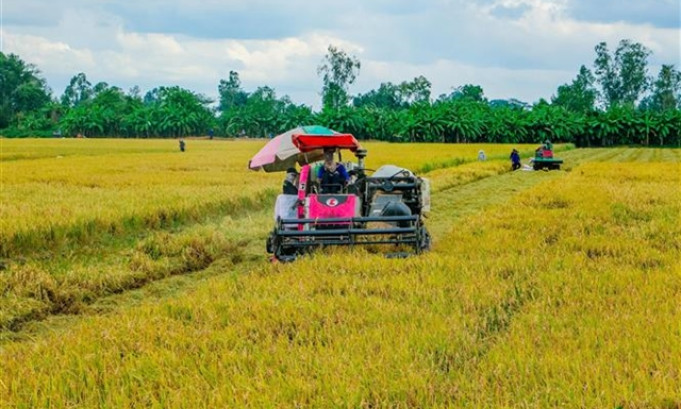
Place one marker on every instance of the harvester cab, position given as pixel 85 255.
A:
pixel 544 159
pixel 386 209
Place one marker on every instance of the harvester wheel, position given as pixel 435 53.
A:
pixel 425 241
pixel 269 244
pixel 275 247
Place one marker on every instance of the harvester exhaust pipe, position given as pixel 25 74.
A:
pixel 361 153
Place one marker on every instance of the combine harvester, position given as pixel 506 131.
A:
pixel 386 208
pixel 543 158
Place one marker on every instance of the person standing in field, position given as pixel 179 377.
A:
pixel 481 156
pixel 182 144
pixel 515 159
pixel 290 182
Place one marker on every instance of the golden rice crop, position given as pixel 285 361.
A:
pixel 71 195
pixel 60 190
pixel 423 158
pixel 567 295
pixel 63 201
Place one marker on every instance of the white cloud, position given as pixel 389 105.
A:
pixel 56 56
pixel 512 48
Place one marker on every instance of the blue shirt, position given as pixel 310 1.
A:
pixel 339 168
pixel 332 182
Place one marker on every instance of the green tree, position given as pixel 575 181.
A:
pixel 263 115
pixel 78 91
pixel 180 112
pixel 264 109
pixel 140 121
pixel 666 93
pixel 623 76
pixel 415 91
pixel 82 120
pixel 231 93
pixel 380 123
pixel 463 119
pixel 106 112
pixel 294 116
pixel 22 90
pixel 580 96
pixel 386 96
pixel 509 123
pixel 509 103
pixel 113 105
pixel 606 128
pixel 468 92
pixel 669 128
pixel 344 119
pixel 339 70
pixel 550 122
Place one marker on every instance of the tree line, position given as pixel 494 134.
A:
pixel 616 102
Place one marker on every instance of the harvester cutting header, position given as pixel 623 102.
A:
pixel 336 203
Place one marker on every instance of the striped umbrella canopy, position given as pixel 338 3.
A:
pixel 280 153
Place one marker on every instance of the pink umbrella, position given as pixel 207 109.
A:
pixel 280 153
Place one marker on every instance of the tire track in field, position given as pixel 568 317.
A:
pixel 69 283
pixel 454 204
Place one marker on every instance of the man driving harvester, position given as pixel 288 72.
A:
pixel 332 176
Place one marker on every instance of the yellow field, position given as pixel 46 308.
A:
pixel 69 189
pixel 543 289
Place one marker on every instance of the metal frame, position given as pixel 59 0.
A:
pixel 344 232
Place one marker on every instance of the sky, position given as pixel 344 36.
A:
pixel 521 49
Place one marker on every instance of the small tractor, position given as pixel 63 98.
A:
pixel 385 209
pixel 544 159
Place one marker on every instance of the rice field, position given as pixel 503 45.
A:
pixel 69 190
pixel 543 289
